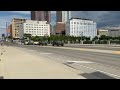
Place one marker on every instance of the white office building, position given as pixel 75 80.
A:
pixel 81 27
pixel 35 28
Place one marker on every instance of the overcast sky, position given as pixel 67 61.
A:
pixel 103 18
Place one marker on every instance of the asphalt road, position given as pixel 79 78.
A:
pixel 95 65
pixel 102 47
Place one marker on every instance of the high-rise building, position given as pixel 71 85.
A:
pixel 63 16
pixel 60 28
pixel 41 16
pixel 16 23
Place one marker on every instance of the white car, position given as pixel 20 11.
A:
pixel 36 43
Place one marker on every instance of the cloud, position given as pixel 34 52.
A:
pixel 28 12
pixel 103 18
pixel 20 12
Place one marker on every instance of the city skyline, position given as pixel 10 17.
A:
pixel 63 16
pixel 41 16
pixel 103 18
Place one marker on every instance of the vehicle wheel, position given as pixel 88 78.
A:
pixel 61 45
pixel 53 45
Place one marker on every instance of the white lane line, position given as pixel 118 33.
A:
pixel 100 71
pixel 80 62
pixel 45 53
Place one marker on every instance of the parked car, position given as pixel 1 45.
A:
pixel 30 42
pixel 43 43
pixel 25 42
pixel 36 43
pixel 57 43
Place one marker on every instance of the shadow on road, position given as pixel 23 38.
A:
pixel 1 77
pixel 96 75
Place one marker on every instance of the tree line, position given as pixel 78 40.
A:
pixel 72 39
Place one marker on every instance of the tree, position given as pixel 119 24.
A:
pixel 27 36
pixel 10 37
pixel 119 38
pixel 95 38
pixel 3 36
pixel 103 37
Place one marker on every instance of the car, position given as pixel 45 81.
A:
pixel 43 43
pixel 36 43
pixel 27 42
pixel 30 42
pixel 57 43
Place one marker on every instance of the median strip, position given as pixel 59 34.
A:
pixel 90 50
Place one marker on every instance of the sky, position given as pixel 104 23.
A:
pixel 103 18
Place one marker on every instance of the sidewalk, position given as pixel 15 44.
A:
pixel 18 64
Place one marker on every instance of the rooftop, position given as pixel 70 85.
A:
pixel 81 18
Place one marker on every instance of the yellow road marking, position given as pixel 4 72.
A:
pixel 82 49
pixel 116 52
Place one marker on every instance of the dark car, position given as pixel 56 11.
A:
pixel 43 43
pixel 57 43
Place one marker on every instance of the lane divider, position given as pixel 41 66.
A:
pixel 91 50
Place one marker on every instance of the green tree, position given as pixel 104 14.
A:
pixel 27 36
pixel 95 38
pixel 103 37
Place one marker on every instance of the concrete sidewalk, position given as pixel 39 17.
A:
pixel 18 64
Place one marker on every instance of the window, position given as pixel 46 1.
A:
pixel 77 22
pixel 74 22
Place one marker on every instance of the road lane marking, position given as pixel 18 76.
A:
pixel 117 52
pixel 91 50
pixel 45 53
pixel 80 62
pixel 100 71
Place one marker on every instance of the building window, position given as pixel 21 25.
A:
pixel 74 22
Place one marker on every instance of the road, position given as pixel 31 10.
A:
pixel 94 61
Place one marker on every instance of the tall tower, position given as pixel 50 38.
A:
pixel 63 16
pixel 41 16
